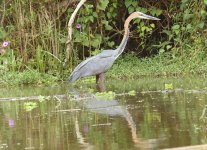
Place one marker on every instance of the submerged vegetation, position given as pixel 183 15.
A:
pixel 36 32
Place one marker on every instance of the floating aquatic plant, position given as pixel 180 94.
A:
pixel 29 106
pixel 106 95
pixel 41 98
pixel 90 90
pixel 89 80
pixel 132 93
pixel 168 86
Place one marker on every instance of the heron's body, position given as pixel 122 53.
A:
pixel 102 62
pixel 94 65
pixel 97 64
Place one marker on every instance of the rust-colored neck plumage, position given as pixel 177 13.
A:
pixel 121 47
pixel 131 17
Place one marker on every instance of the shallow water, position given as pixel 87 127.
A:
pixel 150 118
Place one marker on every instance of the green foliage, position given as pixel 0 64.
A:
pixel 41 98
pixel 37 34
pixel 108 95
pixel 26 77
pixel 103 4
pixel 29 106
pixel 143 29
pixel 2 33
pixel 168 86
pixel 132 93
pixel 34 34
pixel 86 80
pixel 132 67
pixel 94 24
pixel 187 27
pixel 40 59
pixel 98 22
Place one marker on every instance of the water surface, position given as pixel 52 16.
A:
pixel 150 118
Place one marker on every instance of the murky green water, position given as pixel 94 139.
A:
pixel 151 118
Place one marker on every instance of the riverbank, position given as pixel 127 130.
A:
pixel 32 77
pixel 127 67
pixel 130 66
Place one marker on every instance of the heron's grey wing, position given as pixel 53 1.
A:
pixel 99 64
pixel 103 54
pixel 93 65
pixel 82 64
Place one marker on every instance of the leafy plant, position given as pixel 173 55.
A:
pixel 168 86
pixel 106 95
pixel 132 93
pixel 29 106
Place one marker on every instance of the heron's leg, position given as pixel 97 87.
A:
pixel 100 82
pixel 100 78
pixel 101 87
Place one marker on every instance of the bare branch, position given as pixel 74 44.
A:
pixel 70 30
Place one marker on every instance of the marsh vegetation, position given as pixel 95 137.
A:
pixel 37 33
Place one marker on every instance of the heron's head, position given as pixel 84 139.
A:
pixel 141 15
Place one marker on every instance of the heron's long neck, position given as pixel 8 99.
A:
pixel 122 46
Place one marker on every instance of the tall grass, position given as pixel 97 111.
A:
pixel 35 35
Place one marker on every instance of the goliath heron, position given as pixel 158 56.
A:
pixel 102 62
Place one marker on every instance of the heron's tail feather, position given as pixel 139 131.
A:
pixel 73 77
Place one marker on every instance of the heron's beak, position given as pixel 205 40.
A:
pixel 144 16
